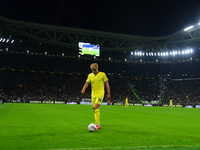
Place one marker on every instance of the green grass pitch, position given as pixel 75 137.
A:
pixel 59 126
pixel 90 52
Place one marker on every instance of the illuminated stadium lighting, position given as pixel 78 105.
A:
pixel 170 53
pixel 147 54
pixel 27 51
pixel 179 52
pixel 109 58
pixel 125 60
pixel 12 41
pixel 188 28
pixel 183 52
pixel 63 54
pixel 167 53
pixel 6 49
pixel 199 23
pixel 143 54
pixel 135 53
pixel 3 40
pixel 7 40
pixel 154 54
pixel 158 54
pixel 131 53
pixel 45 53
pixel 186 51
pixel 191 50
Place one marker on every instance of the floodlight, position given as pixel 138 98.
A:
pixel 131 53
pixel 4 40
pixel 188 28
pixel 146 54
pixel 183 52
pixel 143 54
pixel 12 41
pixel 179 52
pixel 191 50
pixel 186 51
pixel 7 40
pixel 135 53
pixel 167 53
pixel 1 39
pixel 154 54
pixel 199 23
pixel 158 54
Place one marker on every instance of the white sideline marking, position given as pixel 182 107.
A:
pixel 136 147
pixel 4 105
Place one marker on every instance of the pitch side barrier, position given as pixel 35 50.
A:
pixel 103 103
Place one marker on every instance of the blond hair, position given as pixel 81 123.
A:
pixel 94 64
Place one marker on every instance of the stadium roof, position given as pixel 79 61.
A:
pixel 69 37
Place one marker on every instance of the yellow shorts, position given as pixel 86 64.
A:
pixel 97 100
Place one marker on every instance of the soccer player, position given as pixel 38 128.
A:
pixel 97 80
pixel 171 103
pixel 126 105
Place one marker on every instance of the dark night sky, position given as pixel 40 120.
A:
pixel 136 17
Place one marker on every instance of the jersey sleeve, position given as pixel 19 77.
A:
pixel 88 79
pixel 105 78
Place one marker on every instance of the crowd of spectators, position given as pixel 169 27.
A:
pixel 184 92
pixel 55 78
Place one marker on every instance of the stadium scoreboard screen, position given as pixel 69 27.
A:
pixel 89 49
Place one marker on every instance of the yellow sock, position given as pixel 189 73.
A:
pixel 97 116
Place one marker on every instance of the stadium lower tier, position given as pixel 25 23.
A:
pixel 45 86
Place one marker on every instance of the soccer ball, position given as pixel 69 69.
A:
pixel 92 127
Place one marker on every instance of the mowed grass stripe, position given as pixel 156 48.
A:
pixel 54 126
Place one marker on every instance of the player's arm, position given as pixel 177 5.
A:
pixel 85 87
pixel 108 90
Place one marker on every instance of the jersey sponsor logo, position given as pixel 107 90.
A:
pixel 99 99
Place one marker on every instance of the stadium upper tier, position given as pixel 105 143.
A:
pixel 67 65
pixel 69 37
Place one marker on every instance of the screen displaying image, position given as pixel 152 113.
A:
pixel 88 49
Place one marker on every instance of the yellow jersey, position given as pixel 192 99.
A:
pixel 97 82
pixel 127 100
pixel 170 101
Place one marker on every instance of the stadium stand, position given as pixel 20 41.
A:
pixel 33 77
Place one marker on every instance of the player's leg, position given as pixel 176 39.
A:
pixel 97 112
